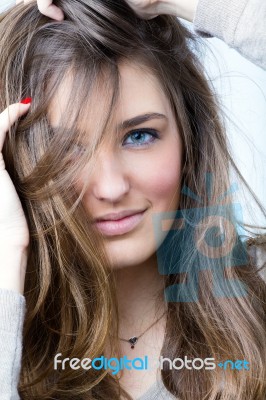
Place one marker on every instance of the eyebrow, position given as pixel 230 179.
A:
pixel 129 123
pixel 140 119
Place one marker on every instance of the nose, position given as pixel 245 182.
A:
pixel 109 180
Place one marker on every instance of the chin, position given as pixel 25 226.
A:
pixel 126 262
pixel 128 257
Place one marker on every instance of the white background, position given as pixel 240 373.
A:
pixel 242 91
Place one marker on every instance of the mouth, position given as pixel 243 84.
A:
pixel 113 227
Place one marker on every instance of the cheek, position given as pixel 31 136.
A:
pixel 161 181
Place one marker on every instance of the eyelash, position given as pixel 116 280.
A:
pixel 152 132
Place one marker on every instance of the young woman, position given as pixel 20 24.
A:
pixel 121 119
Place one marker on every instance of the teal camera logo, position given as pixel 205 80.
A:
pixel 202 238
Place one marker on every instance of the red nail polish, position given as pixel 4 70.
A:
pixel 27 100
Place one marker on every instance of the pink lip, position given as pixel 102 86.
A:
pixel 116 216
pixel 118 226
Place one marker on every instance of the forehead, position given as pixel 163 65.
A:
pixel 139 92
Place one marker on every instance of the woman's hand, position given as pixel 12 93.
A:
pixel 47 8
pixel 14 233
pixel 146 9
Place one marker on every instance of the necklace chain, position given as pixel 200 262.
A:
pixel 134 339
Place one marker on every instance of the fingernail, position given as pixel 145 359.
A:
pixel 27 100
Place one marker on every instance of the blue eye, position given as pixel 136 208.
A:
pixel 141 137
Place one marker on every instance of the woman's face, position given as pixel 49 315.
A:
pixel 137 168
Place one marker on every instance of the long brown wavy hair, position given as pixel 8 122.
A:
pixel 70 289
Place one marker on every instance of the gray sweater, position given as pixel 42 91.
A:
pixel 12 313
pixel 242 25
pixel 239 23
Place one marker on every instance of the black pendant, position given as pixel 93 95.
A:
pixel 133 341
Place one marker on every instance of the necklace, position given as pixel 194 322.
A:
pixel 134 339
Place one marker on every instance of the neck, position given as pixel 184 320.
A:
pixel 140 297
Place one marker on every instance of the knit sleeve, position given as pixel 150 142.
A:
pixel 241 24
pixel 12 313
pixel 157 392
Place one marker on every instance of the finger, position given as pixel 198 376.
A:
pixel 25 1
pixel 46 7
pixel 8 117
